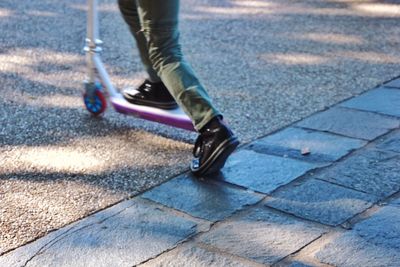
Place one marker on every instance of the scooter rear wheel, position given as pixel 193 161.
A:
pixel 95 104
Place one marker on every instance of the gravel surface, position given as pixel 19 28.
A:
pixel 265 63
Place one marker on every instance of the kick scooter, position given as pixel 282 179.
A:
pixel 98 84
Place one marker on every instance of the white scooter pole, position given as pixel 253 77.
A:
pixel 94 64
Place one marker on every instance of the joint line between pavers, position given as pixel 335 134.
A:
pixel 355 96
pixel 179 243
pixel 390 198
pixel 392 79
pixel 349 223
pixel 387 151
pixel 298 250
pixel 232 185
pixel 47 245
pixel 387 135
pixel 365 214
pixel 367 111
pixel 294 216
pixel 345 186
pixel 341 225
pixel 167 250
pixel 304 252
pixel 332 133
pixel 174 211
pixel 291 153
pixel 226 253
pixel 304 176
pixel 372 111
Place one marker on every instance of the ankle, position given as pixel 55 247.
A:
pixel 150 82
pixel 153 81
pixel 214 123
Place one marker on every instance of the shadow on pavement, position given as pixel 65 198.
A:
pixel 266 64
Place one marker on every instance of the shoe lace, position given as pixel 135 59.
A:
pixel 145 87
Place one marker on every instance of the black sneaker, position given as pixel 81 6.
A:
pixel 151 94
pixel 212 148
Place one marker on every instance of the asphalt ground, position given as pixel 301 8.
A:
pixel 265 63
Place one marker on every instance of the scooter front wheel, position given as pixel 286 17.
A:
pixel 96 103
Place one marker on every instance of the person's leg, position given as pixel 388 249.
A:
pixel 152 92
pixel 129 12
pixel 159 20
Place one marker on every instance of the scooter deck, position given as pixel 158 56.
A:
pixel 175 117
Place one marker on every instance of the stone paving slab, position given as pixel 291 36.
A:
pixel 299 264
pixel 262 235
pixel 373 242
pixel 136 234
pixel 262 77
pixel 21 255
pixel 371 171
pixel 195 256
pixel 395 202
pixel 323 147
pixel 201 198
pixel 261 172
pixel 321 201
pixel 351 123
pixel 394 83
pixel 381 100
pixel 391 143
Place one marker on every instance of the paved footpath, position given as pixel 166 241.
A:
pixel 265 63
pixel 324 191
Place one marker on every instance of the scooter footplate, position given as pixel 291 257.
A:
pixel 174 117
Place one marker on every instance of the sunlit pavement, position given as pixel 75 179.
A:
pixel 324 191
pixel 320 187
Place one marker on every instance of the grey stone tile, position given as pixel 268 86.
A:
pixel 323 147
pixel 391 143
pixel 262 173
pixel 201 199
pixel 300 264
pixel 194 256
pixel 395 202
pixel 321 202
pixel 394 83
pixel 372 171
pixel 21 255
pixel 373 242
pixel 137 234
pixel 262 236
pixel 381 100
pixel 352 123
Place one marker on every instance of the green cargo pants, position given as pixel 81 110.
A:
pixel 154 24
